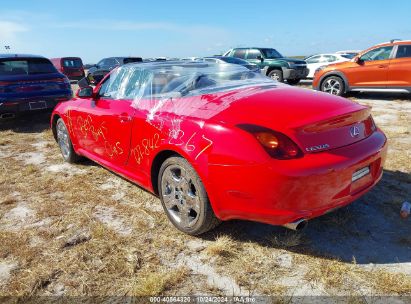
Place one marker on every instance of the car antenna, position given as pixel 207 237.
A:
pixel 392 40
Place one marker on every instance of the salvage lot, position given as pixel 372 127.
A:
pixel 81 230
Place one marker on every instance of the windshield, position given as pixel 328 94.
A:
pixel 72 63
pixel 166 80
pixel 25 66
pixel 271 53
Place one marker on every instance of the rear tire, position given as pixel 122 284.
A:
pixel 276 75
pixel 64 141
pixel 333 85
pixel 293 81
pixel 184 197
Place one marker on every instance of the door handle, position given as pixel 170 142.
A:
pixel 124 118
pixel 381 66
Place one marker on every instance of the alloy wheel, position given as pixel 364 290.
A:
pixel 180 196
pixel 332 86
pixel 63 139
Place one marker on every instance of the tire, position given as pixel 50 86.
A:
pixel 293 81
pixel 64 141
pixel 333 85
pixel 276 75
pixel 182 192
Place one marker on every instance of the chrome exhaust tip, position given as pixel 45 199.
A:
pixel 297 225
pixel 7 116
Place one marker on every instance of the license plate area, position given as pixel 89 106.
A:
pixel 361 179
pixel 38 105
pixel 360 174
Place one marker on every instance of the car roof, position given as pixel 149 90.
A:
pixel 21 56
pixel 326 54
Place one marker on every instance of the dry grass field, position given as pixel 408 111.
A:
pixel 81 230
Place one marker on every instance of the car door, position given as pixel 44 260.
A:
pixel 105 124
pixel 371 70
pixel 399 71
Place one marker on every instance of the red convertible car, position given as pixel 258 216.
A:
pixel 218 142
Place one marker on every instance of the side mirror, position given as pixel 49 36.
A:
pixel 358 60
pixel 84 82
pixel 86 92
pixel 260 58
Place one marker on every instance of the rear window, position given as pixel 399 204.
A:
pixel 26 66
pixel 130 60
pixel 72 63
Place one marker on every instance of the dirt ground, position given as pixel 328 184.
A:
pixel 81 230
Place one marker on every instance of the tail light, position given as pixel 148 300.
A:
pixel 276 144
pixel 369 125
pixel 3 85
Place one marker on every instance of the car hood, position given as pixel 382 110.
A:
pixel 287 60
pixel 342 65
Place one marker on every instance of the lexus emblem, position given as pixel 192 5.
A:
pixel 354 131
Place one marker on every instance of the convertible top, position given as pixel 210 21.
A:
pixel 174 79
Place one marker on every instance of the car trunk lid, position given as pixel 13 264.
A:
pixel 13 86
pixel 315 121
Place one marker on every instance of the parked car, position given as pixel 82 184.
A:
pixel 219 142
pixel 352 53
pixel 272 63
pixel 316 61
pixel 104 66
pixel 384 67
pixel 72 67
pixel 88 66
pixel 233 60
pixel 28 83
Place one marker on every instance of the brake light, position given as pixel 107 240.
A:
pixel 276 144
pixel 3 85
pixel 369 125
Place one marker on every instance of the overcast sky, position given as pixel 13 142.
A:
pixel 95 29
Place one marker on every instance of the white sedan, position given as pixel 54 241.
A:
pixel 316 61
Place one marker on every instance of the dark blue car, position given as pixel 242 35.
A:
pixel 29 83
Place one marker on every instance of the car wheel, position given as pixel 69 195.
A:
pixel 276 75
pixel 333 85
pixel 184 197
pixel 63 139
pixel 293 81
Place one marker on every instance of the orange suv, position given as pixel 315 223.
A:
pixel 385 67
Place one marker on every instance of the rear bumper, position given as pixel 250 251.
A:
pixel 295 73
pixel 18 105
pixel 279 192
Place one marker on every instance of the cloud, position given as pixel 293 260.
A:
pixel 9 31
